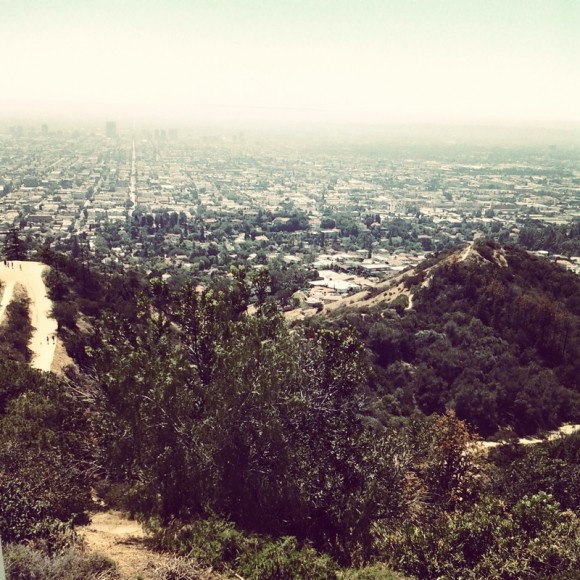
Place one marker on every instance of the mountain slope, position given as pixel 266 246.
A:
pixel 489 331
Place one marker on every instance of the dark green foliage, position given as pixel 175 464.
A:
pixel 39 496
pixel 59 284
pixel 14 247
pixel 78 290
pixel 95 291
pixel 532 539
pixel 217 544
pixel 283 559
pixel 400 303
pixel 255 448
pixel 221 413
pixel 553 467
pixel 559 239
pixel 500 344
pixel 16 331
pixel 43 452
pixel 286 280
pixel 66 314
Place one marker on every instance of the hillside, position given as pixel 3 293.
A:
pixel 29 275
pixel 489 331
pixel 332 448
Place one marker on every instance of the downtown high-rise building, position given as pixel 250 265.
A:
pixel 111 129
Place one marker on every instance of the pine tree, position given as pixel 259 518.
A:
pixel 14 247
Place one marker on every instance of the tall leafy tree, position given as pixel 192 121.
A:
pixel 206 410
pixel 14 247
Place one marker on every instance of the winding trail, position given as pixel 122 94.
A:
pixel 464 255
pixel 551 436
pixel 123 540
pixel 29 275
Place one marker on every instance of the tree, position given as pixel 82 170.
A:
pixel 44 452
pixel 206 410
pixel 16 331
pixel 14 247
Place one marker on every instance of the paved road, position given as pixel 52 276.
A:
pixel 29 274
pixel 133 181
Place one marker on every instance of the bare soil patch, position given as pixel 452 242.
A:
pixel 122 540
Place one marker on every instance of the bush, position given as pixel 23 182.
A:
pixel 374 572
pixel 179 568
pixel 534 539
pixel 400 303
pixel 284 559
pixel 210 542
pixel 217 544
pixel 43 446
pixel 59 285
pixel 42 498
pixel 89 307
pixel 23 562
pixel 66 314
pixel 17 331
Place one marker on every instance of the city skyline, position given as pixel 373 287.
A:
pixel 293 62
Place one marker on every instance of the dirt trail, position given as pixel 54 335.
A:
pixel 7 293
pixel 465 254
pixel 123 540
pixel 551 436
pixel 29 274
pixel 385 292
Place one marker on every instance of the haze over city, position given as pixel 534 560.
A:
pixel 289 289
pixel 446 62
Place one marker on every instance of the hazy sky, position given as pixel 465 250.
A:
pixel 330 60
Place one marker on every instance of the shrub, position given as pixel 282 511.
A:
pixel 400 304
pixel 17 331
pixel 59 284
pixel 65 313
pixel 43 486
pixel 217 544
pixel 373 572
pixel 179 568
pixel 89 307
pixel 534 539
pixel 284 559
pixel 41 499
pixel 24 562
pixel 210 542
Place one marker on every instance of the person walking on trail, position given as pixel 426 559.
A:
pixel 47 338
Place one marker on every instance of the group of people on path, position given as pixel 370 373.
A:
pixel 11 264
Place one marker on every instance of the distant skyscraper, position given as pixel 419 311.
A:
pixel 44 129
pixel 111 129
